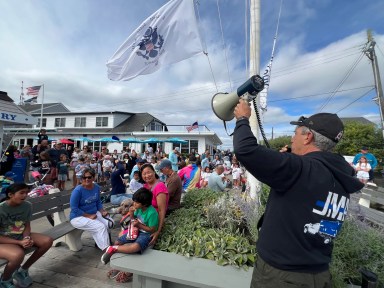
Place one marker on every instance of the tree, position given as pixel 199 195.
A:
pixel 357 135
pixel 279 142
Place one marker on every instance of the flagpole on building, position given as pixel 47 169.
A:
pixel 22 94
pixel 42 108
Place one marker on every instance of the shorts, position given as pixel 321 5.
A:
pixel 62 177
pixel 107 174
pixel 143 240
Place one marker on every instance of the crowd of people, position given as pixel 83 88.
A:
pixel 153 181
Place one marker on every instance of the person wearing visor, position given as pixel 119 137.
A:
pixel 308 200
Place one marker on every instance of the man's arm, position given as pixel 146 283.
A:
pixel 276 169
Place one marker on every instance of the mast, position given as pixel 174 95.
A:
pixel 370 52
pixel 21 102
pixel 254 65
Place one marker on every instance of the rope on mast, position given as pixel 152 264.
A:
pixel 224 46
pixel 205 45
pixel 268 71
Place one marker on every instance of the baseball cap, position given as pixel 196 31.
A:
pixel 177 149
pixel 365 148
pixel 10 174
pixel 326 124
pixel 165 163
pixel 140 160
pixel 58 142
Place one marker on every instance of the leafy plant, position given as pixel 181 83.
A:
pixel 199 198
pixel 358 246
pixel 190 232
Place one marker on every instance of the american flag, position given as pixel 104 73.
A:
pixel 30 100
pixel 34 90
pixel 193 126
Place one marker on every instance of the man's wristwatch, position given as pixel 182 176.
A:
pixel 241 118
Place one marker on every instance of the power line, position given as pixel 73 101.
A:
pixel 357 99
pixel 342 81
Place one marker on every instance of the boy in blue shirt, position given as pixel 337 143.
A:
pixel 145 218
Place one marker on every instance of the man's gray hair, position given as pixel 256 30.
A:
pixel 320 141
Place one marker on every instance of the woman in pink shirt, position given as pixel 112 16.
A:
pixel 160 195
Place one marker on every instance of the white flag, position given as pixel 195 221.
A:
pixel 263 94
pixel 168 36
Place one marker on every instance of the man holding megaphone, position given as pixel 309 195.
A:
pixel 307 204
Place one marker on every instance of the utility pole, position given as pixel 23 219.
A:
pixel 369 50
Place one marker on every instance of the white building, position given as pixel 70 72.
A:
pixel 88 128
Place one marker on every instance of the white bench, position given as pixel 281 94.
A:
pixel 158 269
pixel 369 196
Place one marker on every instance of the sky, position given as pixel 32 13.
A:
pixel 318 63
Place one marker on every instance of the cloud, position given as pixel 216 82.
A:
pixel 65 47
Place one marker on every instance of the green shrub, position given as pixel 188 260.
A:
pixel 199 198
pixel 357 246
pixel 188 231
pixel 226 214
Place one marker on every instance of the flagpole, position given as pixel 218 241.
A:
pixel 254 51
pixel 22 94
pixel 42 107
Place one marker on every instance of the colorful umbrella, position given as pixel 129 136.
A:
pixel 84 139
pixel 66 141
pixel 108 139
pixel 153 140
pixel 176 140
pixel 131 140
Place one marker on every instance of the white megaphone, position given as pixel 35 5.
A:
pixel 223 104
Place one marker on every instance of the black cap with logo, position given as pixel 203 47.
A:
pixel 326 124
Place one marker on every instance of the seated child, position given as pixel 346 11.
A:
pixel 16 236
pixel 134 185
pixel 79 169
pixel 144 217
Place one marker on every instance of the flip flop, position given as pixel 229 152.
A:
pixel 113 273
pixel 123 277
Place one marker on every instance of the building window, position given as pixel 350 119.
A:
pixel 101 121
pixel 59 122
pixel 187 148
pixel 80 121
pixel 156 126
pixel 44 122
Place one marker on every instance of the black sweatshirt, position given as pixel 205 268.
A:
pixel 307 204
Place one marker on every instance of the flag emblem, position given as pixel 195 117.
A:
pixel 151 44
pixel 166 37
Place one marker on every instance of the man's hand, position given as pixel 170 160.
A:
pixel 242 109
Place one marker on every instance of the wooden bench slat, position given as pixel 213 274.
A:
pixel 373 215
pixel 373 198
pixel 59 230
